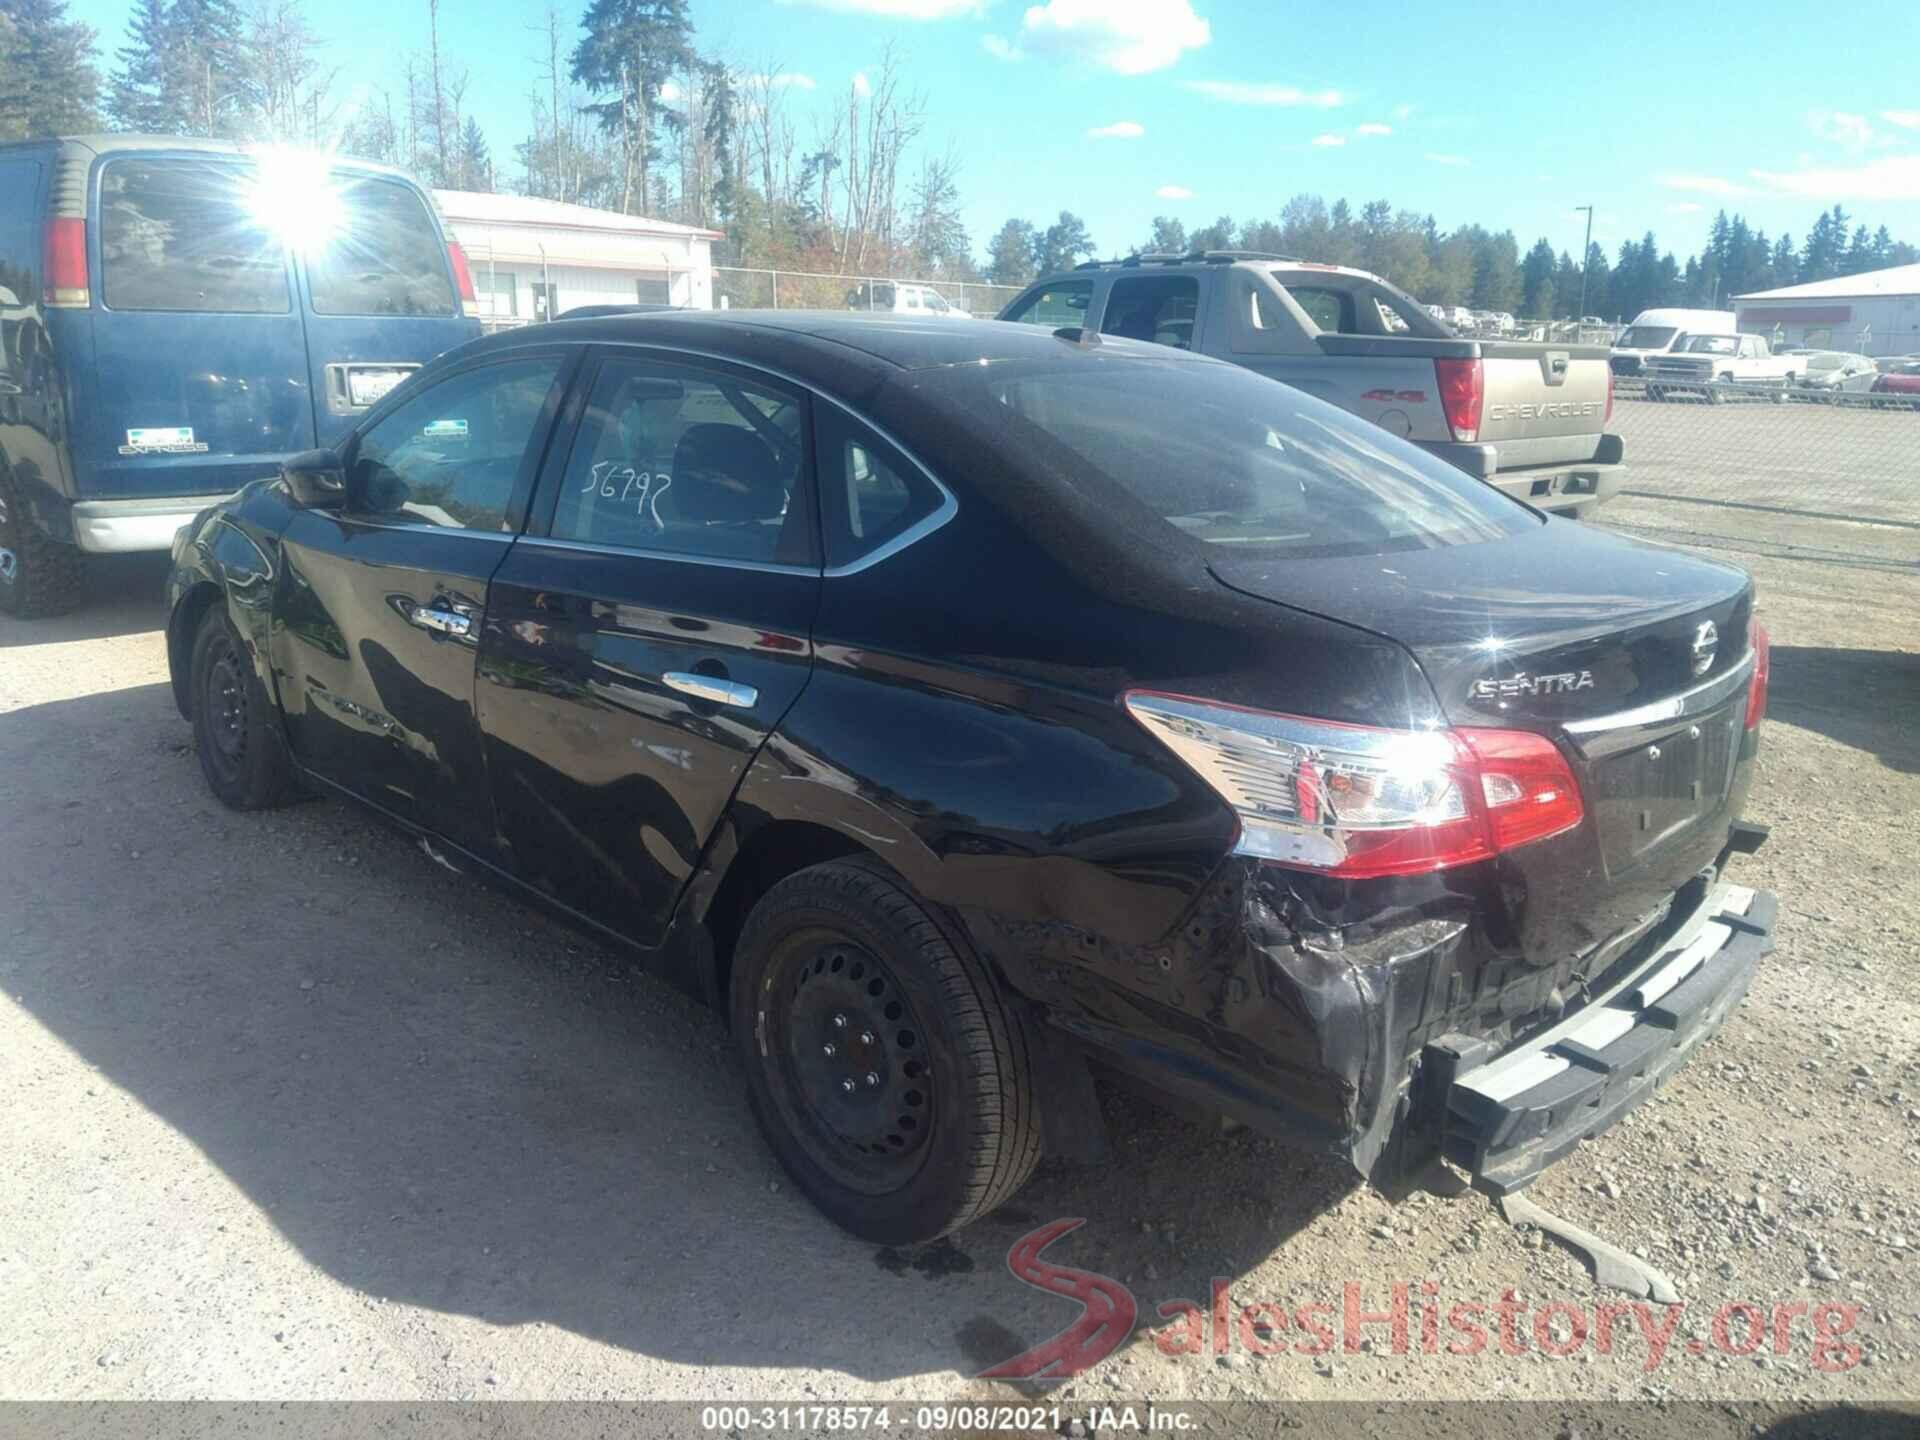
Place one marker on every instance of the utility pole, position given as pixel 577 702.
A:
pixel 1586 252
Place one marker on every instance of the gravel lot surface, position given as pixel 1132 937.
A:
pixel 292 1112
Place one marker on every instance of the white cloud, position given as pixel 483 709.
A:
pixel 1119 130
pixel 1905 119
pixel 1236 92
pixel 862 86
pixel 1685 207
pixel 1457 161
pixel 1373 127
pixel 670 92
pixel 1402 112
pixel 1135 38
pixel 1173 192
pixel 1894 177
pixel 1841 127
pixel 1702 185
pixel 1001 48
pixel 1329 139
pixel 897 9
pixel 790 80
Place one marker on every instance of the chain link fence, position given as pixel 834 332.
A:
pixel 742 288
pixel 1833 476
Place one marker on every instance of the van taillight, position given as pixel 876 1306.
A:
pixel 1462 389
pixel 462 278
pixel 64 277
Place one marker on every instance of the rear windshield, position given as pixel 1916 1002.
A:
pixel 1826 360
pixel 184 235
pixel 1711 345
pixel 1232 459
pixel 1647 337
pixel 380 254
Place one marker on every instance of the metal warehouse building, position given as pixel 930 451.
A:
pixel 1877 313
pixel 533 259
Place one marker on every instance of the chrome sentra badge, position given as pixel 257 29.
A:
pixel 1705 641
pixel 1529 686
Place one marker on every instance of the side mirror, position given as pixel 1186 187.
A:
pixel 316 480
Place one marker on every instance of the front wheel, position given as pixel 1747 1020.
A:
pixel 234 728
pixel 891 1077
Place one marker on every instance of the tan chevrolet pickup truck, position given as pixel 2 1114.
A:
pixel 1530 419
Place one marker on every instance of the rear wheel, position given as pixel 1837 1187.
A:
pixel 39 575
pixel 891 1078
pixel 240 748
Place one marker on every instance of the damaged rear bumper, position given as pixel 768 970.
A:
pixel 1509 1116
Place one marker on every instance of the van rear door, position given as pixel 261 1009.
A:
pixel 198 382
pixel 381 295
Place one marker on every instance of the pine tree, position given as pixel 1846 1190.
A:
pixel 631 49
pixel 136 97
pixel 48 82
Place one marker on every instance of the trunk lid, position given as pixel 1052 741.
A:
pixel 1553 630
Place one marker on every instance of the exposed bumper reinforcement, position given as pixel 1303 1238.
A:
pixel 1510 1118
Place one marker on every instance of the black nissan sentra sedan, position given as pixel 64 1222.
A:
pixel 965 708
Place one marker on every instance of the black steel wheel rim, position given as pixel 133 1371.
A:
pixel 856 1073
pixel 224 703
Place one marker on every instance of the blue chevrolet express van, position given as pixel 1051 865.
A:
pixel 176 316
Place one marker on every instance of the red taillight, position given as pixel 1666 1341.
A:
pixel 1762 673
pixel 1528 791
pixel 1462 386
pixel 462 276
pixel 1359 801
pixel 64 281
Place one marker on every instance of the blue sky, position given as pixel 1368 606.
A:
pixel 1123 109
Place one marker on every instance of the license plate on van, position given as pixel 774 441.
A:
pixel 368 384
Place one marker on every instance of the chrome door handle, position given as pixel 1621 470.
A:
pixel 446 622
pixel 705 687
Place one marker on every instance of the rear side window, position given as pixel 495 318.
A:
pixel 381 254
pixel 870 494
pixel 1057 306
pixel 185 235
pixel 1159 308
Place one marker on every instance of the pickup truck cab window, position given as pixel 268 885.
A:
pixel 452 455
pixel 677 460
pixel 1159 308
pixel 1057 306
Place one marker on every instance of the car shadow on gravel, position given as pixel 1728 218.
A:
pixel 125 596
pixel 1866 699
pixel 442 1098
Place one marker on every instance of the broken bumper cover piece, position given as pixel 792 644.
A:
pixel 1508 1119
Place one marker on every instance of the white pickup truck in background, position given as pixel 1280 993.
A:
pixel 1530 419
pixel 1715 366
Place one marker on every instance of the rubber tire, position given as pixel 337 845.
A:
pixel 264 777
pixel 49 576
pixel 985 1138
